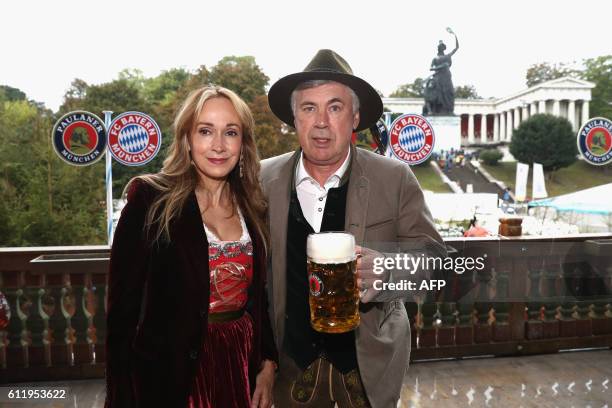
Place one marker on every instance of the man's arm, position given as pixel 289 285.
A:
pixel 416 237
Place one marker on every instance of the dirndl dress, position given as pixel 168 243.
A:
pixel 222 377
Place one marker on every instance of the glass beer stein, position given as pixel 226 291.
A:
pixel 332 278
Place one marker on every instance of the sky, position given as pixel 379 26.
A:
pixel 45 45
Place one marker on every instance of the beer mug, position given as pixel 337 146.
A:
pixel 332 278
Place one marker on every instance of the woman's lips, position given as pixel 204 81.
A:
pixel 217 161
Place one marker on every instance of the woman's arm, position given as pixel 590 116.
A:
pixel 262 397
pixel 450 54
pixel 264 382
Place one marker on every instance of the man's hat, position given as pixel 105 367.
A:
pixel 326 65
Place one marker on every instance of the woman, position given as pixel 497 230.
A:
pixel 187 311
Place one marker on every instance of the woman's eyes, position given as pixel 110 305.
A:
pixel 207 131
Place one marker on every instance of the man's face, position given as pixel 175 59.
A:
pixel 324 122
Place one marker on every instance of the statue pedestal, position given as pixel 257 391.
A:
pixel 447 130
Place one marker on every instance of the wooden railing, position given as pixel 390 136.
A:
pixel 534 296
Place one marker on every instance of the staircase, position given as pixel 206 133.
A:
pixel 469 174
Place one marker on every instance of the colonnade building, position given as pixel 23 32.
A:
pixel 488 121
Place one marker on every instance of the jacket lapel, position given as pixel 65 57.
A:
pixel 357 198
pixel 190 237
pixel 279 197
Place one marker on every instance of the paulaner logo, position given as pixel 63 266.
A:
pixel 79 138
pixel 316 285
pixel 595 141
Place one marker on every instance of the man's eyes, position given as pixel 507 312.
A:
pixel 332 108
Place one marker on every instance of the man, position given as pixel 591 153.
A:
pixel 328 185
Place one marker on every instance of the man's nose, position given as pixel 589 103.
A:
pixel 322 119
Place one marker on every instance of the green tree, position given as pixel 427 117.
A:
pixel 240 74
pixel 8 93
pixel 74 96
pixel 491 156
pixel 466 92
pixel 542 72
pixel 162 88
pixel 134 76
pixel 416 89
pixel 47 201
pixel 545 139
pixel 599 71
pixel 271 135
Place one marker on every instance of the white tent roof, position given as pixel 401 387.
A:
pixel 594 200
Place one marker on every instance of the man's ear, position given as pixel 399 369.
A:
pixel 356 120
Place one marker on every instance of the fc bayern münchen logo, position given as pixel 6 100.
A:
pixel 412 138
pixel 134 138
pixel 79 138
pixel 595 141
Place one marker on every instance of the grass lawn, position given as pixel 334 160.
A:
pixel 429 179
pixel 578 176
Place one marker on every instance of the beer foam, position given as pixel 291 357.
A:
pixel 331 247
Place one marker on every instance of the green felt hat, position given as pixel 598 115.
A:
pixel 326 65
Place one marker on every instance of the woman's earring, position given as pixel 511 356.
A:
pixel 240 163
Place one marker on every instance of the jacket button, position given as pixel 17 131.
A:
pixel 193 354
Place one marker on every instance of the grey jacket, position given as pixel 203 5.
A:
pixel 384 204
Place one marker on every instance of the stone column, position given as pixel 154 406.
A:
pixel 524 113
pixel 496 127
pixel 571 114
pixel 517 118
pixel 585 112
pixel 542 107
pixel 556 108
pixel 483 128
pixel 509 126
pixel 502 126
pixel 533 108
pixel 470 128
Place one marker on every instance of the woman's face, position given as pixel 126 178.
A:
pixel 216 139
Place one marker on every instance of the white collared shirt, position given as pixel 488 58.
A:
pixel 311 195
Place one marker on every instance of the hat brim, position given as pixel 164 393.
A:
pixel 370 104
